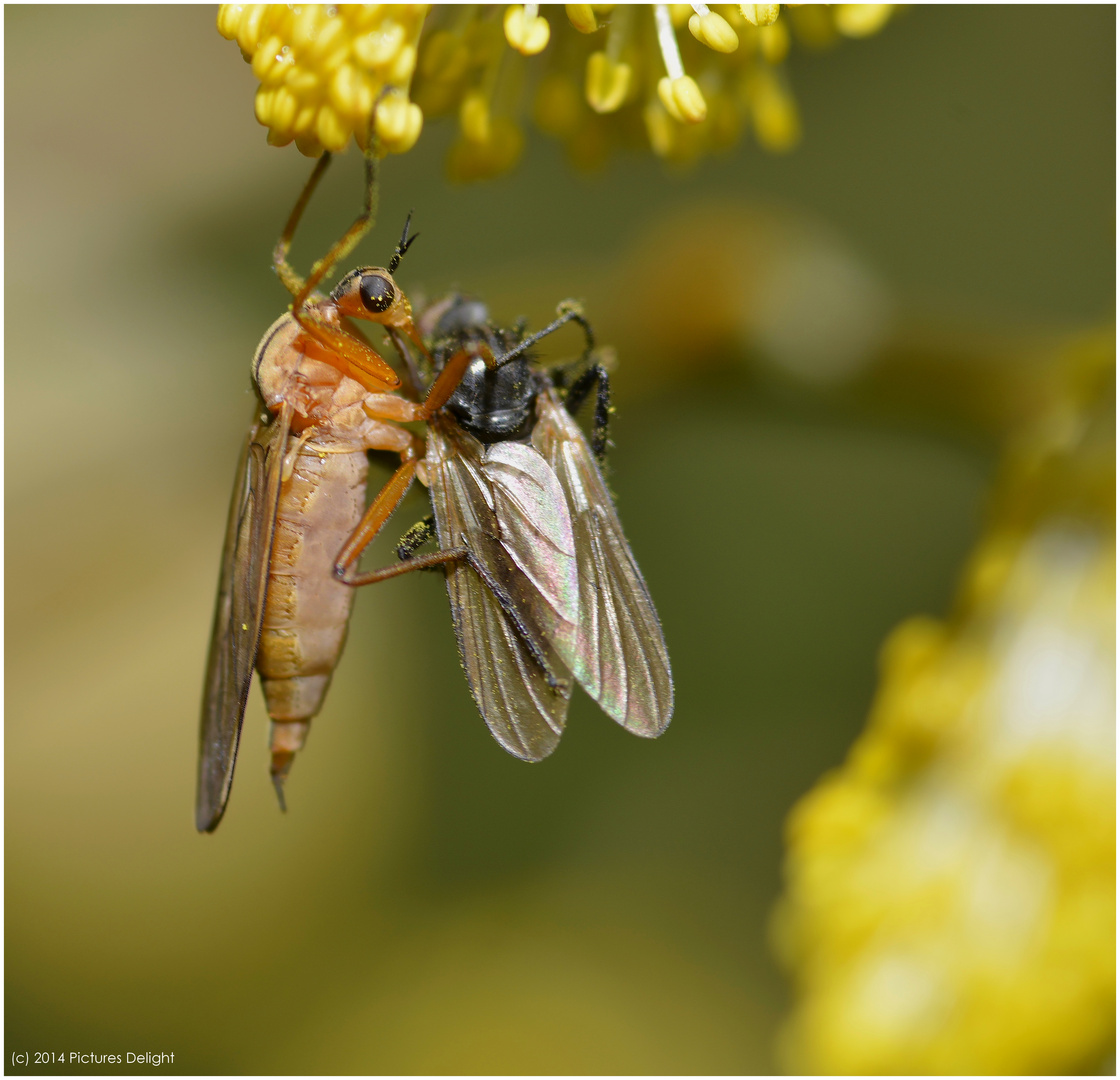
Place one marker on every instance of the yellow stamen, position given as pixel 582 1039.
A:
pixel 860 20
pixel 582 17
pixel 660 128
pixel 682 98
pixel 774 112
pixel 607 82
pixel 713 30
pixel 399 122
pixel 333 134
pixel 773 41
pixel 526 31
pixel 759 14
pixel 474 117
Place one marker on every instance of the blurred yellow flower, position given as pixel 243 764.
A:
pixel 950 890
pixel 684 79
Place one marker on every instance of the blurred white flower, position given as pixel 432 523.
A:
pixel 950 900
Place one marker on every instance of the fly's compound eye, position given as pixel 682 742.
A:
pixel 377 292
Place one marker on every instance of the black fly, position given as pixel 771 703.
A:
pixel 543 587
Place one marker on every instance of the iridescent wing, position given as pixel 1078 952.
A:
pixel 242 589
pixel 518 682
pixel 619 655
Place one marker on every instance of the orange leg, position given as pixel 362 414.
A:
pixel 363 362
pixel 367 364
pixel 293 282
pixel 349 239
pixel 390 407
pixel 377 513
pixel 446 383
pixel 441 558
pixel 419 562
pixel 386 502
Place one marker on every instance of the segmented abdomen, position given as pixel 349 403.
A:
pixel 307 609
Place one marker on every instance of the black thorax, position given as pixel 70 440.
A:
pixel 493 404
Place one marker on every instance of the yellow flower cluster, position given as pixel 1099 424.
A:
pixel 684 79
pixel 322 68
pixel 950 898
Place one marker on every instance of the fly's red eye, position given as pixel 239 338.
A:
pixel 377 292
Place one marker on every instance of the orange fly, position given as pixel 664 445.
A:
pixel 299 497
pixel 544 589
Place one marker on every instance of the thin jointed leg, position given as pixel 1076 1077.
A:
pixel 575 398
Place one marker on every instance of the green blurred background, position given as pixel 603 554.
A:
pixel 429 904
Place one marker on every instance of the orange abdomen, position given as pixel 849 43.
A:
pixel 307 609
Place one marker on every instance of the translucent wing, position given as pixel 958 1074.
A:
pixel 242 589
pixel 524 705
pixel 535 531
pixel 619 656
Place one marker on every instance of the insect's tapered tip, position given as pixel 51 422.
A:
pixel 281 764
pixel 287 740
pixel 206 818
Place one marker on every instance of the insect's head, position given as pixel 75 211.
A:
pixel 371 293
pixel 461 316
pixel 494 399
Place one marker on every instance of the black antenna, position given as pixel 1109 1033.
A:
pixel 402 246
